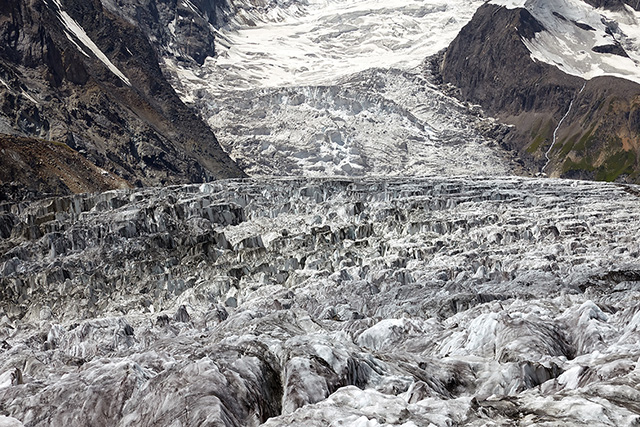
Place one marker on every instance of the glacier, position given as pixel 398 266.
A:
pixel 339 88
pixel 383 266
pixel 324 301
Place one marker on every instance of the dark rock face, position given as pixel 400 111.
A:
pixel 175 28
pixel 614 49
pixel 490 65
pixel 601 138
pixel 31 168
pixel 102 94
pixel 632 3
pixel 615 5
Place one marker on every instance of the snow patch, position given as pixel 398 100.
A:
pixel 75 32
pixel 9 422
pixel 573 29
pixel 5 84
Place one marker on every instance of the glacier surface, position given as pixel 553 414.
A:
pixel 396 301
pixel 404 281
pixel 338 88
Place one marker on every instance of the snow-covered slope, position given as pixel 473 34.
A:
pixel 316 42
pixel 75 33
pixel 336 88
pixel 582 40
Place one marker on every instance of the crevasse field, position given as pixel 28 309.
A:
pixel 381 267
pixel 337 88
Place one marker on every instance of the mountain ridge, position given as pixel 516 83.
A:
pixel 490 64
pixel 110 103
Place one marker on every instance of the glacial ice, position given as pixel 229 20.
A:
pixel 459 298
pixel 337 88
pixel 379 122
pixel 369 301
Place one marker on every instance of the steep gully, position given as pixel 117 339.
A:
pixel 555 131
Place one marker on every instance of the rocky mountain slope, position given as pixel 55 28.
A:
pixel 378 302
pixel 75 73
pixel 48 168
pixel 565 74
pixel 185 30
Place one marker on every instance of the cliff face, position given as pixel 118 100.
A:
pixel 490 64
pixel 594 122
pixel 600 137
pixel 73 72
pixel 175 28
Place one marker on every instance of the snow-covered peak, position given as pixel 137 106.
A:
pixel 582 40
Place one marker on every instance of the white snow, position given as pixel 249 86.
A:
pixel 5 84
pixel 9 422
pixel 334 88
pixel 191 6
pixel 24 92
pixel 75 33
pixel 569 47
pixel 510 4
pixel 329 39
pixel 29 97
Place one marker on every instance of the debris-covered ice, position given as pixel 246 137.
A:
pixel 434 301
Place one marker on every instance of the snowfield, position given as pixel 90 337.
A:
pixel 317 42
pixel 337 88
pixel 573 29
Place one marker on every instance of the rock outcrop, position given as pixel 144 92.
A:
pixel 564 125
pixel 32 168
pixel 182 29
pixel 74 73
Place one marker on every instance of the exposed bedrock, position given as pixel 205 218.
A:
pixel 80 84
pixel 563 124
